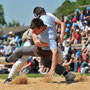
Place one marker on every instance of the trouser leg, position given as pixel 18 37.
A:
pixel 17 67
pixel 23 51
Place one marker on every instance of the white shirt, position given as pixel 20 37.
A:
pixel 85 28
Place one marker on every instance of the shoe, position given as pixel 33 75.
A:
pixel 2 60
pixel 70 77
pixel 7 80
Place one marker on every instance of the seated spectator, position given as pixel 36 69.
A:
pixel 81 23
pixel 28 66
pixel 87 15
pixel 4 69
pixel 84 67
pixel 11 36
pixel 77 61
pixel 67 49
pixel 2 52
pixel 77 14
pixel 82 15
pixel 8 49
pixel 4 38
pixel 20 43
pixel 77 36
pixel 68 63
pixel 85 27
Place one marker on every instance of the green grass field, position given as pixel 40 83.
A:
pixel 4 76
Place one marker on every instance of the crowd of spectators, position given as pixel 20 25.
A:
pixel 77 31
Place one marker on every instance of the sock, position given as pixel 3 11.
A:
pixel 65 73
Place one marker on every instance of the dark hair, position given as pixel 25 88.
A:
pixel 36 22
pixel 37 11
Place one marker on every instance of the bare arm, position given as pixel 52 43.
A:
pixel 37 42
pixel 54 59
pixel 62 29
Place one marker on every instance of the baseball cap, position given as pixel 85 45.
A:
pixel 78 53
pixel 1 45
pixel 4 36
pixel 17 36
pixel 75 24
pixel 68 25
pixel 29 58
pixel 67 30
pixel 77 10
pixel 19 40
pixel 65 36
pixel 74 19
pixel 88 8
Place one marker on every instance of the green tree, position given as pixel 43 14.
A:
pixel 66 8
pixel 2 19
pixel 13 24
pixel 83 2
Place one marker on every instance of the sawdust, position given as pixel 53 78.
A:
pixel 22 79
pixel 57 83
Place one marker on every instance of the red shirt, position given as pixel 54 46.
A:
pixel 30 64
pixel 77 36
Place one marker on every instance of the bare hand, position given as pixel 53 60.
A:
pixel 50 74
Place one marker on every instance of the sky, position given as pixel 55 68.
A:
pixel 22 10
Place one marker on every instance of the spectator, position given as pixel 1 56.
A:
pixel 77 36
pixel 68 63
pixel 20 43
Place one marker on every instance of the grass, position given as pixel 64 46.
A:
pixel 4 76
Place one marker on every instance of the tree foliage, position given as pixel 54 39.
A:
pixel 13 24
pixel 69 7
pixel 2 19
